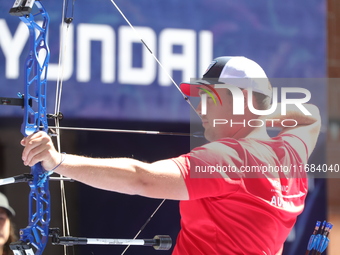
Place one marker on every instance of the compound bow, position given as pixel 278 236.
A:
pixel 34 237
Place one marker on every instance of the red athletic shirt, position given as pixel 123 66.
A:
pixel 235 205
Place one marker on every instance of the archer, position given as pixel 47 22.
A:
pixel 221 211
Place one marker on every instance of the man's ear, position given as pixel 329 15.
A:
pixel 245 96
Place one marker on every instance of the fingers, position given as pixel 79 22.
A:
pixel 38 148
pixel 34 145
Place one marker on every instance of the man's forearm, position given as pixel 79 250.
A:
pixel 123 175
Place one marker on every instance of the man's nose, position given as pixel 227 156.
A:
pixel 199 108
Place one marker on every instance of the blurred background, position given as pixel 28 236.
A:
pixel 111 81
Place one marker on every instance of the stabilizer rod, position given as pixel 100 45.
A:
pixel 159 242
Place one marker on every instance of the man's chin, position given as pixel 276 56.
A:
pixel 208 135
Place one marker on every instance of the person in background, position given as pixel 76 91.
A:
pixel 7 232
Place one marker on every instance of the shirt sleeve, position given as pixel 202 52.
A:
pixel 297 144
pixel 206 174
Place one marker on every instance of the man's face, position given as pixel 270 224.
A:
pixel 4 227
pixel 216 110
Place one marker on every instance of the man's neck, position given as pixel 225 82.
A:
pixel 257 132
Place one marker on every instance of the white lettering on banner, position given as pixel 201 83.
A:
pixel 205 51
pixel 177 61
pixel 128 74
pixel 186 60
pixel 94 32
pixel 12 47
pixel 66 72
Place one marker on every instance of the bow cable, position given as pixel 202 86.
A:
pixel 146 223
pixel 59 85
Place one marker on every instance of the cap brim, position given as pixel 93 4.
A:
pixel 192 89
pixel 9 210
pixel 189 89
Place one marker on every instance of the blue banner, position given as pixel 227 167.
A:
pixel 109 74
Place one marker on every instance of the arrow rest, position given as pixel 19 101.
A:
pixel 59 116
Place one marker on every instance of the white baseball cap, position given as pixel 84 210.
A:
pixel 238 71
pixel 4 204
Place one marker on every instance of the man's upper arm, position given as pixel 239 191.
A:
pixel 165 181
